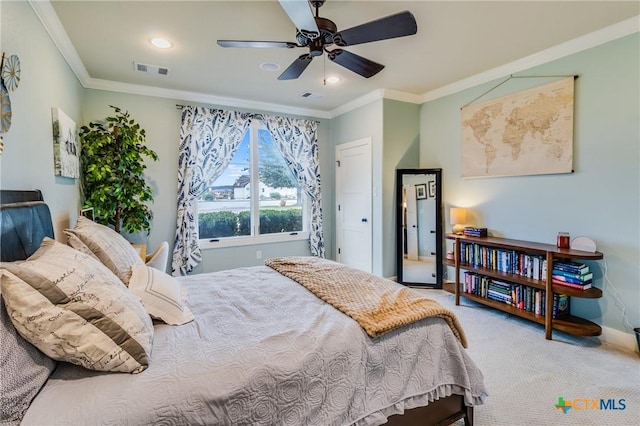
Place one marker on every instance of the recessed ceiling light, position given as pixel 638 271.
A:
pixel 269 66
pixel 161 43
pixel 332 79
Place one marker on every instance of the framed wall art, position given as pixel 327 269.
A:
pixel 432 189
pixel 65 145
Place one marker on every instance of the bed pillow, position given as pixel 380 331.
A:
pixel 74 309
pixel 107 245
pixel 23 371
pixel 161 295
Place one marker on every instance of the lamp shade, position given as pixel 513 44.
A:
pixel 457 215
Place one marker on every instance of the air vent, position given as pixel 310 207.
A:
pixel 311 95
pixel 151 69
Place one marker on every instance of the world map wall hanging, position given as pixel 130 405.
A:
pixel 525 133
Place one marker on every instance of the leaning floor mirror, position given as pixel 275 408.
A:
pixel 419 227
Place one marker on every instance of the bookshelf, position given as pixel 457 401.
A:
pixel 542 282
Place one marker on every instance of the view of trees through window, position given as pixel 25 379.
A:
pixel 232 207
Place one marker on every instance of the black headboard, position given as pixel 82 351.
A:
pixel 8 196
pixel 25 220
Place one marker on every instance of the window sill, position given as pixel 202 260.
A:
pixel 251 240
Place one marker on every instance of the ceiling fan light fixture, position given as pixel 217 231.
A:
pixel 317 33
pixel 161 43
pixel 269 66
pixel 332 79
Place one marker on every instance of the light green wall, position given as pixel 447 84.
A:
pixel 600 200
pixel 360 123
pixel 400 151
pixel 393 127
pixel 161 120
pixel 46 81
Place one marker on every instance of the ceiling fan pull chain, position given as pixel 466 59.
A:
pixel 324 70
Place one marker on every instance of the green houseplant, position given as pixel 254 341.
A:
pixel 112 172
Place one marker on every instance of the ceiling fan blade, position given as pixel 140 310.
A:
pixel 355 63
pixel 301 15
pixel 296 68
pixel 249 43
pixel 399 25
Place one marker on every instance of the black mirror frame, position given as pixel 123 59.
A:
pixel 438 226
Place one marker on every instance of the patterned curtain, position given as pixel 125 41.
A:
pixel 298 143
pixel 208 140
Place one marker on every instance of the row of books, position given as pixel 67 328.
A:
pixel 572 274
pixel 470 231
pixel 520 296
pixel 507 261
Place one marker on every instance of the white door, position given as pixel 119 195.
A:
pixel 353 204
pixel 412 222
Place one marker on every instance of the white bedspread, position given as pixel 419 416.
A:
pixel 263 350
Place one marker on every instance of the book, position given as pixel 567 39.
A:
pixel 584 286
pixel 475 232
pixel 560 305
pixel 571 267
pixel 580 279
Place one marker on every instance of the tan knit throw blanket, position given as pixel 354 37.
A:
pixel 377 304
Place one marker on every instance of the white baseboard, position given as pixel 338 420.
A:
pixel 619 339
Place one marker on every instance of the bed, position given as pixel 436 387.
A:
pixel 261 349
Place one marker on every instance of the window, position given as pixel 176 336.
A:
pixel 256 199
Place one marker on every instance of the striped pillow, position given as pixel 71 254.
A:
pixel 113 250
pixel 74 309
pixel 161 295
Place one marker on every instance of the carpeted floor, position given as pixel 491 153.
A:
pixel 525 374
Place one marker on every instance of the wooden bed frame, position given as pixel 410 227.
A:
pixel 441 412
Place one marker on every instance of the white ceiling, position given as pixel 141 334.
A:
pixel 457 42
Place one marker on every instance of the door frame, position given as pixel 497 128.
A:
pixel 367 142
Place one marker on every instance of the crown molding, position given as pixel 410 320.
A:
pixel 587 41
pixel 357 103
pixel 186 96
pixel 49 19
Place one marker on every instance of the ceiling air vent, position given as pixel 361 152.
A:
pixel 150 69
pixel 311 95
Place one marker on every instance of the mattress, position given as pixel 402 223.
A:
pixel 263 350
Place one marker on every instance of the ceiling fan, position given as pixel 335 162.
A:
pixel 316 33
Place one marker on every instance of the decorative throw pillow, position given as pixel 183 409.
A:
pixel 23 371
pixel 74 309
pixel 161 295
pixel 110 247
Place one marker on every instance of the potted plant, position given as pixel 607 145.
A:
pixel 112 172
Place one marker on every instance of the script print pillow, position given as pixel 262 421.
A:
pixel 113 250
pixel 74 309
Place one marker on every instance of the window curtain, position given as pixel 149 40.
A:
pixel 208 140
pixel 298 143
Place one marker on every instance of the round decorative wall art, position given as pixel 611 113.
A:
pixel 11 72
pixel 5 109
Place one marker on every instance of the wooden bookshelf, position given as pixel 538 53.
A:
pixel 550 253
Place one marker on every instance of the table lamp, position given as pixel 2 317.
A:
pixel 457 217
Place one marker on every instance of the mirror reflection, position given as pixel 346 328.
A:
pixel 419 227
